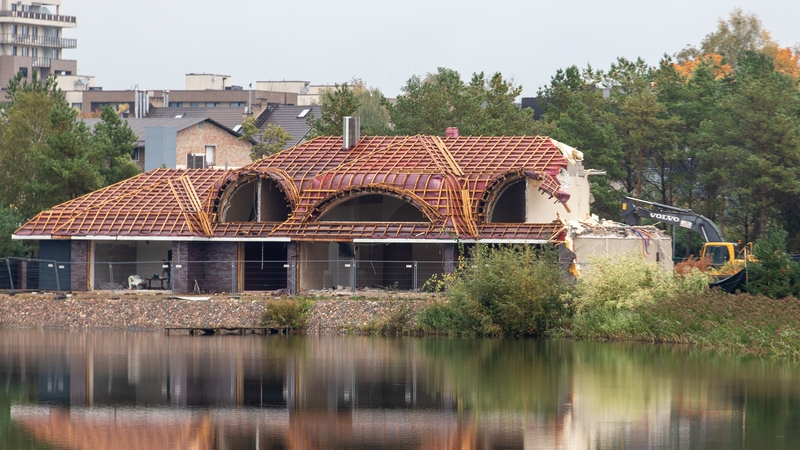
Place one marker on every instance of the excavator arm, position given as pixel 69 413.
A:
pixel 632 214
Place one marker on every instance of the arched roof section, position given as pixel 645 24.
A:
pixel 497 186
pixel 336 199
pixel 238 183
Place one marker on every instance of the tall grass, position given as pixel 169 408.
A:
pixel 627 300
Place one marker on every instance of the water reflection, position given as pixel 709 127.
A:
pixel 114 390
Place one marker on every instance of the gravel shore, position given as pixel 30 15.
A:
pixel 158 311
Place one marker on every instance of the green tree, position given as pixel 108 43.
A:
pixel 576 112
pixel 114 143
pixel 441 100
pixel 431 105
pixel 774 274
pixel 9 222
pixel 269 141
pixel 371 109
pixel 740 33
pixel 501 115
pixel 645 130
pixel 754 146
pixel 48 155
pixel 336 103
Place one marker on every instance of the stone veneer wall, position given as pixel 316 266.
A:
pixel 79 269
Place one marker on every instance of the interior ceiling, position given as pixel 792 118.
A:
pixel 446 178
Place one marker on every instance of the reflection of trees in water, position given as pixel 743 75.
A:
pixel 433 392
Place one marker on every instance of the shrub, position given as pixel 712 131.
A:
pixel 609 298
pixel 287 312
pixel 510 290
pixel 398 321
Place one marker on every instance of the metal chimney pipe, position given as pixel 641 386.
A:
pixel 351 132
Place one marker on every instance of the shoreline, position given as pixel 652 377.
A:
pixel 339 314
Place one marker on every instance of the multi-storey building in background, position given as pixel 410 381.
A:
pixel 31 39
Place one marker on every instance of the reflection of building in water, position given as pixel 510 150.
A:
pixel 89 391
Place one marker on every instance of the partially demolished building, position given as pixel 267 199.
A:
pixel 319 206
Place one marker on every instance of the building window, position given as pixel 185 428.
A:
pixel 35 31
pixel 24 72
pixel 24 30
pixel 176 104
pixel 14 50
pixel 237 104
pixel 34 52
pixel 194 104
pixel 13 6
pixel 78 106
pixel 13 27
pixel 135 154
pixel 212 104
pixel 210 154
pixel 25 51
pixel 201 125
pixel 195 161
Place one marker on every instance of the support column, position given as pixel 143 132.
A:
pixel 180 272
pixel 291 271
pixel 79 272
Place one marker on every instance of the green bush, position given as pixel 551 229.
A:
pixel 628 281
pixel 513 290
pixel 287 312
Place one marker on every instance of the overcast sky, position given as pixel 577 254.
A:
pixel 154 43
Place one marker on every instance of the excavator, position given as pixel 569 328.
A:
pixel 720 252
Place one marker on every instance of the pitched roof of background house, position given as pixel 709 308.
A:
pixel 289 117
pixel 139 126
pixel 228 116
pixel 451 180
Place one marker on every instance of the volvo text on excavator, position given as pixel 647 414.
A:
pixel 716 248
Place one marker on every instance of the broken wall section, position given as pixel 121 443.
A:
pixel 593 237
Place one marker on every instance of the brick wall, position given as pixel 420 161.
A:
pixel 79 269
pixel 229 149
pixel 207 263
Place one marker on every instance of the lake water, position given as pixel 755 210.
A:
pixel 144 390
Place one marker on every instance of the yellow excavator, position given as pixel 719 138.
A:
pixel 727 258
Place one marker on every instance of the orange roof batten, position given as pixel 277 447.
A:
pixel 448 179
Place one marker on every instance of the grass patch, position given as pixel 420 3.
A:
pixel 289 312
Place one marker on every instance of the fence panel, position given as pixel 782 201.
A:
pixel 394 275
pixel 220 276
pixel 428 272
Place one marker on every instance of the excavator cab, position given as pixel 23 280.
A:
pixel 719 252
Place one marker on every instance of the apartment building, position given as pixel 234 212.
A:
pixel 31 39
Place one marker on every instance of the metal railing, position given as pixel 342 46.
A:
pixel 38 16
pixel 41 41
pixel 219 276
pixel 40 62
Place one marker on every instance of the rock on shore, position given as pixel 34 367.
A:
pixel 135 312
pixel 156 312
pixel 336 316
